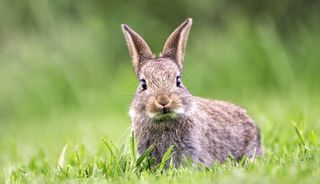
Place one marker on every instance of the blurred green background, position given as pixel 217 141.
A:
pixel 66 75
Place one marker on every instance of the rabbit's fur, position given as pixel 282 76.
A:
pixel 164 113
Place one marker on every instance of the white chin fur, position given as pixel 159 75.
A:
pixel 151 114
pixel 179 110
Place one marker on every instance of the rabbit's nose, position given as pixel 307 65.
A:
pixel 163 100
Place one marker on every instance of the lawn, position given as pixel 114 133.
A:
pixel 99 150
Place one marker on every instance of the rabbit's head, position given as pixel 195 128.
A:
pixel 161 94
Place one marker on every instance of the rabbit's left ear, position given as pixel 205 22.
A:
pixel 176 43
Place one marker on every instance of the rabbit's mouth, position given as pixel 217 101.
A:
pixel 163 108
pixel 165 115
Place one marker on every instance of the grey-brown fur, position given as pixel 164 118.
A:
pixel 166 114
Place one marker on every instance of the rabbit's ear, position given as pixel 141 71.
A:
pixel 175 45
pixel 138 48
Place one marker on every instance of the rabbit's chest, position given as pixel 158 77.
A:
pixel 161 140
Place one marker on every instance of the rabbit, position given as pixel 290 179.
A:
pixel 164 113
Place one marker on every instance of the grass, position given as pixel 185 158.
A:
pixel 66 85
pixel 89 149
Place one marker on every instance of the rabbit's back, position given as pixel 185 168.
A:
pixel 221 110
pixel 223 130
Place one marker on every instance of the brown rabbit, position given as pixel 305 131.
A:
pixel 164 113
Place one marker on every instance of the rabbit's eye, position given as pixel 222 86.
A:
pixel 179 84
pixel 143 84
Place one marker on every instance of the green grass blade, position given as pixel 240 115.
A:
pixel 107 144
pixel 62 158
pixel 133 148
pixel 167 155
pixel 144 156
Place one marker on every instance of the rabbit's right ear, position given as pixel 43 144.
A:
pixel 138 48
